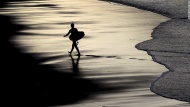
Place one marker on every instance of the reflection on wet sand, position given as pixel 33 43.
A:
pixel 75 64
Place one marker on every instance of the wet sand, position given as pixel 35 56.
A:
pixel 108 76
pixel 169 47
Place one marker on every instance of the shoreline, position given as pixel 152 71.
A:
pixel 169 47
pixel 173 53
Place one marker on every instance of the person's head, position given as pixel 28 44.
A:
pixel 72 25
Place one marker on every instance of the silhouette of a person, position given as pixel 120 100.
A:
pixel 73 31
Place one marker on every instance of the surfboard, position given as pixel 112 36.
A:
pixel 77 37
pixel 80 35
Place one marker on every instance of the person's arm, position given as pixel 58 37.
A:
pixel 67 33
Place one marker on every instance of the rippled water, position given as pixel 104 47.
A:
pixel 108 49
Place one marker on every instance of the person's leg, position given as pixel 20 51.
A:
pixel 75 44
pixel 72 47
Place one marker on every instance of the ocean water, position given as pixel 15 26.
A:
pixel 108 53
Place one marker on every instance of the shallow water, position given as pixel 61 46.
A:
pixel 108 49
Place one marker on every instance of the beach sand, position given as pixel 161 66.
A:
pixel 44 73
pixel 169 46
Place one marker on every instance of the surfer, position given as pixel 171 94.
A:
pixel 73 37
